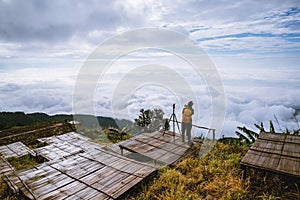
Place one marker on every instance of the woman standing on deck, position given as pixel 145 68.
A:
pixel 186 125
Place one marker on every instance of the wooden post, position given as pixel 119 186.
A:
pixel 214 132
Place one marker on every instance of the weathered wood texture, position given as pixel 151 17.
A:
pixel 5 167
pixel 65 145
pixel 79 169
pixel 17 149
pixel 161 148
pixel 275 152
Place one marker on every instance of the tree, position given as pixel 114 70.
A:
pixel 116 135
pixel 250 136
pixel 150 120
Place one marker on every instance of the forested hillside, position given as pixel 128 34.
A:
pixel 12 119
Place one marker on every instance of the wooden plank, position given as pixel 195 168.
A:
pixel 115 180
pixel 139 147
pixel 293 139
pixel 131 168
pixel 40 182
pixel 100 174
pixel 156 154
pixel 5 167
pixel 36 173
pixel 20 149
pixel 72 188
pixel 268 146
pixel 154 144
pixel 6 152
pixel 65 164
pixel 125 185
pixel 106 179
pixel 261 159
pixel 169 158
pixel 144 171
pixel 272 136
pixel 55 194
pixel 46 185
pixel 291 149
pixel 87 193
pixel 14 182
pixel 121 164
pixel 179 150
pixel 289 165
pixel 171 146
pixel 100 196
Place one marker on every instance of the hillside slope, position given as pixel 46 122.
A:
pixel 11 119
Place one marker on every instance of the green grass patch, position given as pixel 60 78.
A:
pixel 37 144
pixel 25 162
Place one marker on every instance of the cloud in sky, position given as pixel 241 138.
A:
pixel 254 44
pixel 37 90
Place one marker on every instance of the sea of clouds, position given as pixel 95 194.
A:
pixel 252 95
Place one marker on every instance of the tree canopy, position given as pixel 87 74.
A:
pixel 150 120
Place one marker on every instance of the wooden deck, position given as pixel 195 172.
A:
pixel 164 149
pixel 275 152
pixel 77 169
pixel 80 169
pixel 5 167
pixel 17 149
pixel 100 176
pixel 66 145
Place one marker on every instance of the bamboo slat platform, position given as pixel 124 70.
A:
pixel 17 149
pixel 66 145
pixel 5 167
pixel 68 137
pixel 162 148
pixel 90 173
pixel 275 152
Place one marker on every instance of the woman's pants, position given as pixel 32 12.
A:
pixel 186 130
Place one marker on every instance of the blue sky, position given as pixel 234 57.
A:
pixel 255 46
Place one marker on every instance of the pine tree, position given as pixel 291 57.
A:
pixel 150 120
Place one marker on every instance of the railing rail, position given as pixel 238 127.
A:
pixel 202 127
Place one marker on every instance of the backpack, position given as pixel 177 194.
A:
pixel 187 116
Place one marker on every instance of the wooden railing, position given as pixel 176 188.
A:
pixel 201 127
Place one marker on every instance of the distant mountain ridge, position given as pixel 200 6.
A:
pixel 11 119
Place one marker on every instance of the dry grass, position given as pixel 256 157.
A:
pixel 216 176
